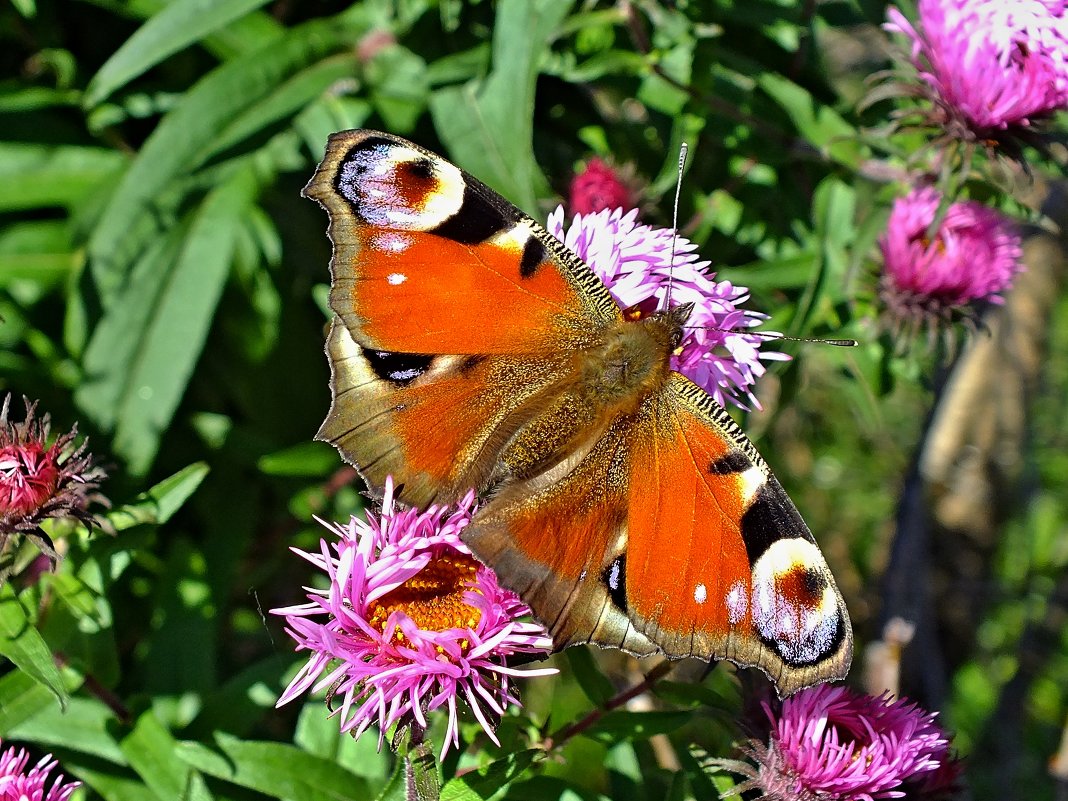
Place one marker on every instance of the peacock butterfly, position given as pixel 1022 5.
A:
pixel 469 348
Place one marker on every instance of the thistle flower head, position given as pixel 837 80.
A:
pixel 39 480
pixel 930 277
pixel 19 784
pixel 599 186
pixel 411 622
pixel 644 267
pixel 992 69
pixel 829 743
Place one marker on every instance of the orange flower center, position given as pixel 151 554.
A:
pixel 433 598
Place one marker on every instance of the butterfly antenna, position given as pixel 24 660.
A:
pixel 683 150
pixel 838 343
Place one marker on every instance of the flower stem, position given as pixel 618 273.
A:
pixel 562 735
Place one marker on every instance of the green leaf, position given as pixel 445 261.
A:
pixel 489 780
pixel 397 78
pixel 594 684
pixel 306 459
pixel 141 355
pixel 83 727
pixel 817 122
pixel 157 504
pixel 280 771
pixel 667 96
pixel 789 272
pixel 38 253
pixel 282 102
pixel 488 125
pixel 625 725
pixel 41 176
pixel 175 27
pixel 21 698
pixel 23 645
pixel 150 750
pixel 360 755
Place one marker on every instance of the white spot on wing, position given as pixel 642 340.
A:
pixel 737 602
pixel 751 482
pixel 396 279
pixel 700 593
pixel 390 242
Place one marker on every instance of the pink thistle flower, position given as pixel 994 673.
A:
pixel 411 622
pixel 18 784
pixel 971 257
pixel 829 743
pixel 39 481
pixel 635 262
pixel 599 187
pixel 992 68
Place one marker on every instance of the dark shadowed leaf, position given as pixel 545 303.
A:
pixel 175 27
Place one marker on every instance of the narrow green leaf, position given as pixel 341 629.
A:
pixel 175 27
pixel 38 252
pixel 396 788
pixel 23 645
pixel 15 100
pixel 150 750
pixel 111 784
pixel 278 770
pixel 186 135
pixel 399 88
pixel 41 176
pixel 625 725
pixel 142 353
pixel 305 459
pixel 817 122
pixel 288 98
pixel 157 504
pixel 790 272
pixel 594 684
pixel 488 125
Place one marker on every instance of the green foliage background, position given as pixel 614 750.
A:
pixel 163 283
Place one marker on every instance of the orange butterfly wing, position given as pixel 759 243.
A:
pixel 464 353
pixel 454 311
pixel 744 578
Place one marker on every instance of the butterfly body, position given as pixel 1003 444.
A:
pixel 470 349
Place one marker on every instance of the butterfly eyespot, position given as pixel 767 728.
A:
pixel 794 608
pixel 420 169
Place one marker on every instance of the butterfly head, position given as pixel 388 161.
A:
pixel 674 318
